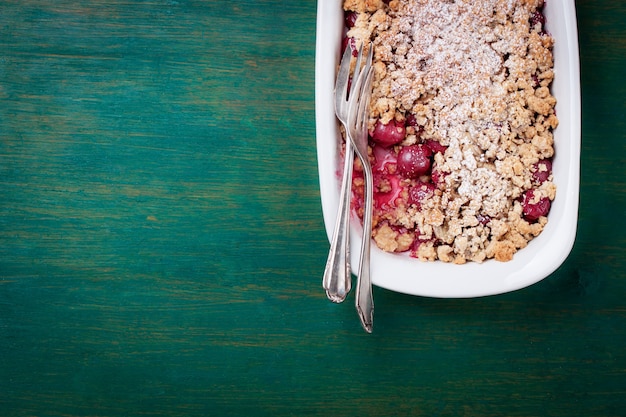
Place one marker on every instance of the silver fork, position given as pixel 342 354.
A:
pixel 337 279
pixel 357 125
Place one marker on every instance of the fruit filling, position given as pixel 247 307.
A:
pixel 460 128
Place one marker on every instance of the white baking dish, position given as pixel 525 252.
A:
pixel 544 254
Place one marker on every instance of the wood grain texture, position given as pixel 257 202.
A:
pixel 162 244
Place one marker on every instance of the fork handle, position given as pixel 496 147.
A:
pixel 337 275
pixel 364 300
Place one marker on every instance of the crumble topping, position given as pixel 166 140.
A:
pixel 468 80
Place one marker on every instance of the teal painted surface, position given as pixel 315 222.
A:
pixel 161 237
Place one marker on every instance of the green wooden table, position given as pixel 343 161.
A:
pixel 162 243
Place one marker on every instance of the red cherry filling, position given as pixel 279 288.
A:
pixel 533 210
pixel 414 161
pixel 542 170
pixel 349 42
pixel 417 242
pixel 411 120
pixel 538 20
pixel 536 81
pixel 420 192
pixel 389 134
pixel 387 190
pixel 483 219
pixel 385 159
pixel 438 177
pixel 435 146
pixel 537 17
pixel 350 19
pixel 387 186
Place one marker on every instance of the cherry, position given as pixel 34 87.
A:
pixel 384 169
pixel 411 120
pixel 351 42
pixel 417 242
pixel 385 159
pixel 532 211
pixel 536 81
pixel 350 19
pixel 483 219
pixel 438 177
pixel 389 134
pixel 537 17
pixel 414 160
pixel 388 198
pixel 420 192
pixel 542 170
pixel 435 146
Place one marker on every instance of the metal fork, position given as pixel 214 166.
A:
pixel 337 279
pixel 357 125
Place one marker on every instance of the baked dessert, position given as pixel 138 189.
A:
pixel 461 123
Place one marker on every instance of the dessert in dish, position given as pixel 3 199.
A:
pixel 461 124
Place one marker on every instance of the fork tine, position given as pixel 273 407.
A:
pixel 343 77
pixel 356 111
pixel 359 72
pixel 366 70
pixel 370 57
pixel 357 68
pixel 364 102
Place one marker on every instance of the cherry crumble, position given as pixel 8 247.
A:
pixel 460 126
